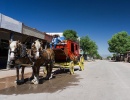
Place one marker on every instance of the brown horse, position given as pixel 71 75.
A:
pixel 41 57
pixel 19 58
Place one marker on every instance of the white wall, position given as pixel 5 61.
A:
pixel 59 33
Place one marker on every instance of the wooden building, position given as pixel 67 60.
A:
pixel 11 29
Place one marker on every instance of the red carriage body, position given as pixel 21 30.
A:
pixel 66 51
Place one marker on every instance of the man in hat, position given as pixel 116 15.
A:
pixel 56 39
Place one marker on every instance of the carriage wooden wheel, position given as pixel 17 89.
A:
pixel 67 55
pixel 71 67
pixel 81 63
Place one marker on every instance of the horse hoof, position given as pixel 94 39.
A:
pixel 18 82
pixel 22 80
pixel 47 78
pixel 34 81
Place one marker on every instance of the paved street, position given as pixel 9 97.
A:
pixel 101 80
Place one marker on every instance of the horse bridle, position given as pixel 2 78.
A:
pixel 15 51
pixel 23 51
pixel 34 51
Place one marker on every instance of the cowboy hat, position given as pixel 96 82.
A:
pixel 56 35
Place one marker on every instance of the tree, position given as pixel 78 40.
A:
pixel 85 44
pixel 97 56
pixel 119 43
pixel 88 46
pixel 70 35
pixel 93 49
pixel 109 57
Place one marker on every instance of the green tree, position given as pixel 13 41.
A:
pixel 85 44
pixel 119 43
pixel 88 46
pixel 109 57
pixel 93 49
pixel 70 35
pixel 97 56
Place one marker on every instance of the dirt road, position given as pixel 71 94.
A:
pixel 101 80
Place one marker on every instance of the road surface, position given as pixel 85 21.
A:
pixel 101 80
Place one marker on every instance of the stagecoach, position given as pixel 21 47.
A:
pixel 67 55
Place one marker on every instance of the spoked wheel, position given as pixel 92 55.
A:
pixel 71 67
pixel 81 63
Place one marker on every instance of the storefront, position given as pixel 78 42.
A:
pixel 11 29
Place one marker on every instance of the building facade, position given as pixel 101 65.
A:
pixel 11 29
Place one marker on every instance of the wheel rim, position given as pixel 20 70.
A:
pixel 82 59
pixel 71 67
pixel 81 63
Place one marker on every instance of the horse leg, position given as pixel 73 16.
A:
pixel 32 76
pixel 36 75
pixel 44 71
pixel 22 73
pixel 49 70
pixel 38 69
pixel 17 74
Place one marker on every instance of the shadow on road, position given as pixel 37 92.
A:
pixel 60 81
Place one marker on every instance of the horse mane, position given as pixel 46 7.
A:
pixel 23 50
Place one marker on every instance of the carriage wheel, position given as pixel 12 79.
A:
pixel 44 71
pixel 81 63
pixel 71 67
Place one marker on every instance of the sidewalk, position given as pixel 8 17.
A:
pixel 12 72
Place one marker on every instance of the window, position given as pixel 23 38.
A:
pixel 72 47
pixel 4 46
pixel 76 47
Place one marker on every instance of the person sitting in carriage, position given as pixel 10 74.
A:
pixel 56 39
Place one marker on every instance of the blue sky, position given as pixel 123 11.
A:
pixel 99 19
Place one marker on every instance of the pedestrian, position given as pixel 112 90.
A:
pixel 56 39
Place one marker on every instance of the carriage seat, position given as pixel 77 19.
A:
pixel 61 43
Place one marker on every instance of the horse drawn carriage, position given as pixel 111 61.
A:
pixel 65 55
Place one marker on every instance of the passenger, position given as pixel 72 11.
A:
pixel 56 39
